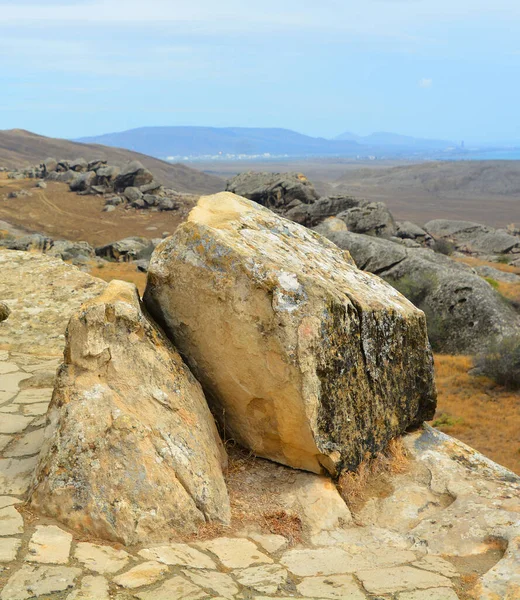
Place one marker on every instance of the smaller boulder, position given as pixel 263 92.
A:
pixel 407 230
pixel 312 214
pixel 42 185
pixel 167 204
pixel 370 218
pixel 94 165
pixel 151 187
pixel 132 194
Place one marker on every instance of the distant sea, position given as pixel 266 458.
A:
pixel 513 154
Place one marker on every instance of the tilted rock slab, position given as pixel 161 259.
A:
pixel 305 359
pixel 131 451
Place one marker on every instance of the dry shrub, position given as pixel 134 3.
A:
pixel 282 523
pixel 372 475
pixel 478 411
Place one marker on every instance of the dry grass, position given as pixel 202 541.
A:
pixel 477 262
pixel 478 411
pixel 120 270
pixel 371 477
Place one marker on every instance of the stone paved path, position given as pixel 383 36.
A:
pixel 41 559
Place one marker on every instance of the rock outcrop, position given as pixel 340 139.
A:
pixel 464 312
pixel 131 452
pixel 277 191
pixel 305 359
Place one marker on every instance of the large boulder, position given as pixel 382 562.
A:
pixel 49 165
pixel 74 251
pixel 79 165
pixel 328 206
pixel 306 360
pixel 33 241
pixel 372 218
pixel 464 312
pixel 278 191
pixel 131 452
pixel 106 175
pixel 133 175
pixel 82 181
pixel 474 237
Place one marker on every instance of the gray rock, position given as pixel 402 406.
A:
pixel 5 311
pixel 497 275
pixel 312 214
pixel 132 248
pixel 464 312
pixel 133 175
pixel 99 189
pixel 106 175
pixel 151 199
pixel 82 181
pixel 114 201
pixel 33 241
pixel 94 165
pixel 410 231
pixel 167 204
pixel 41 184
pixel 67 250
pixel 80 165
pixel 274 190
pixel 132 194
pixel 473 237
pixel 63 165
pixel 49 165
pixel 150 187
pixel 140 203
pixel 372 218
pixel 109 208
pixel 62 176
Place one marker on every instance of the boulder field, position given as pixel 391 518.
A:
pixel 305 359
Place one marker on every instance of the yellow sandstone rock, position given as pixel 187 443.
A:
pixel 304 358
pixel 131 451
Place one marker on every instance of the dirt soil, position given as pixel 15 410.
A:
pixel 63 214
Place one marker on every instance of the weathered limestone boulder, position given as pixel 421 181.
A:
pixel 277 191
pixel 305 359
pixel 131 452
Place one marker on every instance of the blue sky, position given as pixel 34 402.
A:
pixel 433 68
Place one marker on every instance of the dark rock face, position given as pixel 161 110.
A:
pixel 320 364
pixel 328 206
pixel 34 241
pixel 274 190
pixel 464 312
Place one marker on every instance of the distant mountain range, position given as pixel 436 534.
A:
pixel 194 142
pixel 213 141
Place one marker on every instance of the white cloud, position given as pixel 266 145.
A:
pixel 425 82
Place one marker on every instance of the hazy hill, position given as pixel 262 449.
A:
pixel 203 141
pixel 384 139
pixel 453 178
pixel 20 148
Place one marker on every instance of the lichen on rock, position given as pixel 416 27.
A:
pixel 305 359
pixel 131 451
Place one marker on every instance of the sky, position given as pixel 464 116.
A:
pixel 446 69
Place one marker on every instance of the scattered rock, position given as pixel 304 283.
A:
pixel 82 182
pixel 80 165
pixel 132 248
pixel 312 214
pixel 132 194
pixel 108 427
pixel 306 337
pixel 41 185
